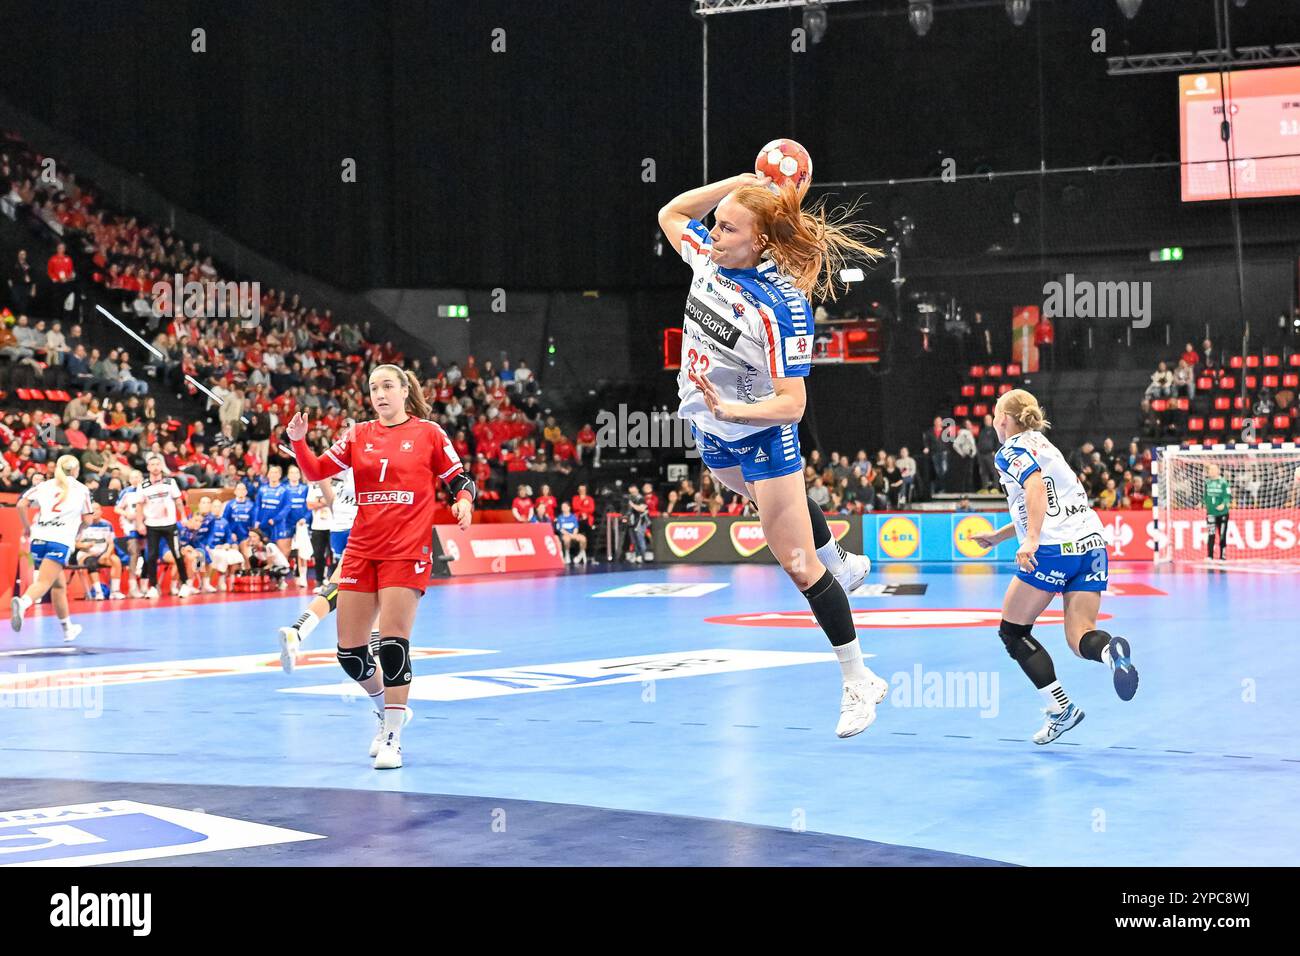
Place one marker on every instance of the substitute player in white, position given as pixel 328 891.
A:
pixel 1062 551
pixel 64 504
pixel 746 348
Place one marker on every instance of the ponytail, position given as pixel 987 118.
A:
pixel 61 467
pixel 1024 410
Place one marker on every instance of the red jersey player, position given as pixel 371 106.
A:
pixel 397 460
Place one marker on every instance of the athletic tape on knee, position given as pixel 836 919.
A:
pixel 357 662
pixel 395 661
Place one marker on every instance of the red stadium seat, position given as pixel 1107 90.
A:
pixel 1227 382
pixel 980 410
pixel 977 371
pixel 1252 361
pixel 1222 403
pixel 968 391
pixel 1291 380
pixel 1272 361
pixel 1261 423
pixel 1234 362
pixel 1237 422
pixel 1004 388
pixel 1238 403
pixel 960 411
pixel 24 393
pixel 1196 424
pixel 995 371
pixel 37 395
pixel 1182 404
pixel 1159 404
pixel 1294 360
pixel 1216 424
pixel 1013 370
pixel 1204 383
pixel 1252 382
pixel 988 391
pixel 1270 381
pixel 1281 422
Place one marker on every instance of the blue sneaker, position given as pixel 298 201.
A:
pixel 1126 675
pixel 1058 723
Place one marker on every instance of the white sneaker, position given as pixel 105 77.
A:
pixel 1058 723
pixel 117 596
pixel 855 571
pixel 187 590
pixel 378 742
pixel 290 641
pixel 208 588
pixel 858 704
pixel 581 558
pixel 152 594
pixel 70 633
pixel 135 591
pixel 16 613
pixel 389 756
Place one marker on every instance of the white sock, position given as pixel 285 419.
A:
pixel 850 656
pixel 377 701
pixel 1105 655
pixel 306 623
pixel 65 622
pixel 1056 697
pixel 394 717
pixel 832 556
pixel 24 602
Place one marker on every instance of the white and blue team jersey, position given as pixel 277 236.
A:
pixel 59 518
pixel 1070 520
pixel 344 510
pixel 129 501
pixel 743 329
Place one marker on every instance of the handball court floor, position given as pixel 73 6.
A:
pixel 564 725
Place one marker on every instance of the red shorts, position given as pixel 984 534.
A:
pixel 372 574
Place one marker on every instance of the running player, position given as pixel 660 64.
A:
pixel 64 503
pixel 1062 551
pixel 746 348
pixel 96 550
pixel 397 460
pixel 162 507
pixel 1217 500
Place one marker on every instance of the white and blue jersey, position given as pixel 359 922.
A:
pixel 59 520
pixel 297 510
pixel 1071 551
pixel 566 524
pixel 240 514
pixel 96 538
pixel 743 329
pixel 343 512
pixel 129 501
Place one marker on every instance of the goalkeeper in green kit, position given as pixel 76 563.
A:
pixel 1217 499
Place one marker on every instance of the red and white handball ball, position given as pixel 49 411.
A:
pixel 785 161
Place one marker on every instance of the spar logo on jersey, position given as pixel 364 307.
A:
pixel 900 537
pixel 683 537
pixel 385 497
pixel 798 350
pixel 747 538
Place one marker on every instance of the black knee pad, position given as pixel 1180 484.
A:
pixel 331 595
pixel 1018 640
pixel 92 564
pixel 357 662
pixel 395 661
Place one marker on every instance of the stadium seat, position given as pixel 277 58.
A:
pixel 1234 362
pixel 1204 383
pixel 1252 361
pixel 977 371
pixel 1291 380
pixel 1238 402
pixel 960 411
pixel 1216 423
pixel 24 393
pixel 988 391
pixel 1237 422
pixel 1004 388
pixel 1281 423
pixel 995 371
pixel 980 410
pixel 1272 361
pixel 1182 404
pixel 1196 424
pixel 1252 382
pixel 1013 370
pixel 968 391
pixel 1261 422
pixel 1159 404
pixel 1227 383
pixel 1294 360
pixel 1270 381
pixel 1222 403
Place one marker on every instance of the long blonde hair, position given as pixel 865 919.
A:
pixel 1023 409
pixel 416 404
pixel 810 246
pixel 61 467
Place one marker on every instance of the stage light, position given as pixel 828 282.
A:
pixel 814 22
pixel 1018 11
pixel 1129 8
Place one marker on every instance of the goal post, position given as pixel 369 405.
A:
pixel 1264 510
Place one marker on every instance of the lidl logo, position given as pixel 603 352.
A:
pixel 900 537
pixel 964 533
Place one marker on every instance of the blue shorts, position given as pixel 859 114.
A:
pixel 771 453
pixel 1060 573
pixel 240 532
pixel 339 541
pixel 48 550
pixel 280 530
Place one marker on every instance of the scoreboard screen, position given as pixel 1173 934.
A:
pixel 1264 145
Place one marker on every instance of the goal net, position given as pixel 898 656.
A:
pixel 1263 510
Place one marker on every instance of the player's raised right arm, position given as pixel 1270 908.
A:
pixel 313 468
pixel 699 202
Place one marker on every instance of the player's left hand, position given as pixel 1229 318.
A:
pixel 1025 558
pixel 463 511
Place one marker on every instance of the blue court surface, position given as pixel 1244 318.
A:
pixel 557 723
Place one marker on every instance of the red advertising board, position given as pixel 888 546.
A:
pixel 499 548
